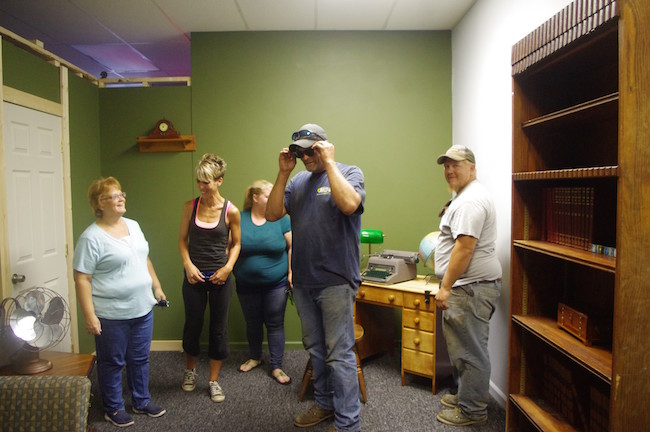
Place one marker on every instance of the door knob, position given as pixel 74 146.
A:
pixel 16 278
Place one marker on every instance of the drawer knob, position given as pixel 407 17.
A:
pixel 362 293
pixel 416 320
pixel 391 298
pixel 416 341
pixel 416 302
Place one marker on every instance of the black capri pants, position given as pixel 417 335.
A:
pixel 196 297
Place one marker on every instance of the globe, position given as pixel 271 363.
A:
pixel 428 247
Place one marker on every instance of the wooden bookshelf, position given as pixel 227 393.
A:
pixel 581 82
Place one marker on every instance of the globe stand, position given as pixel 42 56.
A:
pixel 27 361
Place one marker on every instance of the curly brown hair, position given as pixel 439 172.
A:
pixel 99 187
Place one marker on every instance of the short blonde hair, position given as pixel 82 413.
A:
pixel 255 189
pixel 210 167
pixel 99 187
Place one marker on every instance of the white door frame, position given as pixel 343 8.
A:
pixel 61 110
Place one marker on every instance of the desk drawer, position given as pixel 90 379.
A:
pixel 418 340
pixel 417 319
pixel 416 301
pixel 418 362
pixel 380 295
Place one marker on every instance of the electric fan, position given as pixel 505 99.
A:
pixel 35 320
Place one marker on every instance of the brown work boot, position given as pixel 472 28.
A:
pixel 456 417
pixel 450 400
pixel 313 416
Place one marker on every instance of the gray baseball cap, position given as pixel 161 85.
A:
pixel 457 153
pixel 308 134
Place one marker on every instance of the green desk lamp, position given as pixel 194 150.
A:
pixel 370 237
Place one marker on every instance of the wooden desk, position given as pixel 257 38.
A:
pixel 63 364
pixel 423 350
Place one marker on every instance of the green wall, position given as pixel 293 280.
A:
pixel 383 97
pixel 156 184
pixel 85 166
pixel 28 73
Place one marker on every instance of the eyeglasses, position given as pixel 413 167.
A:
pixel 444 209
pixel 305 134
pixel 299 152
pixel 115 196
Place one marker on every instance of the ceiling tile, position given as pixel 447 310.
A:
pixel 203 15
pixel 353 15
pixel 428 14
pixel 278 14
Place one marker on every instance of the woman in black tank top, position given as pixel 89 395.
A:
pixel 209 242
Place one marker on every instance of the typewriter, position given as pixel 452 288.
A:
pixel 391 266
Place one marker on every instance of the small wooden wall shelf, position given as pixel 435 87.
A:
pixel 180 144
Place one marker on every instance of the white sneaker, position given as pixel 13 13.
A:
pixel 216 394
pixel 189 380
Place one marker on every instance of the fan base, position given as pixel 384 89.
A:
pixel 33 367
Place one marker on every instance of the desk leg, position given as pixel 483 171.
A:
pixel 379 326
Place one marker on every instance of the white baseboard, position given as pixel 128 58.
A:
pixel 177 345
pixel 167 345
pixel 498 395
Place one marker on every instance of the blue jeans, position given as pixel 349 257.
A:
pixel 265 307
pixel 124 343
pixel 466 327
pixel 326 316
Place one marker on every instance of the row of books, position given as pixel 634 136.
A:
pixel 575 20
pixel 569 216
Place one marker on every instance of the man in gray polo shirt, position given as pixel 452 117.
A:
pixel 470 285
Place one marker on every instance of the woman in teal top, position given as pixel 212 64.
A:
pixel 263 277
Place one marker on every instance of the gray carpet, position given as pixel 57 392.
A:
pixel 256 403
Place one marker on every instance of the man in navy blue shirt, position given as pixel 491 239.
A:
pixel 325 203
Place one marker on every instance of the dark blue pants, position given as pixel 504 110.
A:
pixel 265 307
pixel 124 343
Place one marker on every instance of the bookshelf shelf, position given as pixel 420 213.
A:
pixel 593 110
pixel 597 360
pixel 533 410
pixel 568 174
pixel 567 253
pixel 579 172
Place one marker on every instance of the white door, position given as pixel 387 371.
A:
pixel 35 209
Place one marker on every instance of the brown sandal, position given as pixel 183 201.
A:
pixel 250 364
pixel 280 375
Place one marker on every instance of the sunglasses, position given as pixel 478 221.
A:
pixel 299 152
pixel 305 134
pixel 444 209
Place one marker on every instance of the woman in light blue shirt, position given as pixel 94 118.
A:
pixel 117 288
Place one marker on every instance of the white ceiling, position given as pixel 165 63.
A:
pixel 151 38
